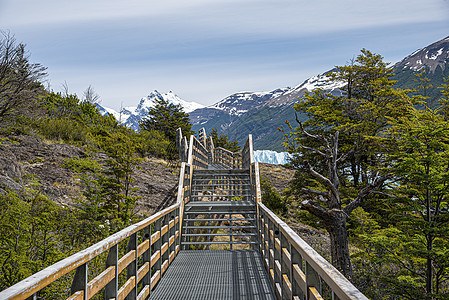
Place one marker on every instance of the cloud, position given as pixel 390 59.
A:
pixel 205 49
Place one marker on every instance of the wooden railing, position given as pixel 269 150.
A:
pixel 228 159
pixel 152 244
pixel 198 154
pixel 296 270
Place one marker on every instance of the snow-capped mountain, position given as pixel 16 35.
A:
pixel 257 112
pixel 240 103
pixel 260 113
pixel 433 56
pixel 132 115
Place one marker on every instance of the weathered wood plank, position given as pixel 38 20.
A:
pixel 77 296
pixel 126 288
pixel 313 294
pixel 100 281
pixel 126 260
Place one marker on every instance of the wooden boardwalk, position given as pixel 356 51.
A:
pixel 215 274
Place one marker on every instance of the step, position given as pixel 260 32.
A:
pixel 203 185
pixel 221 242
pixel 218 196
pixel 219 220
pixel 220 203
pixel 220 184
pixel 218 234
pixel 220 227
pixel 220 190
pixel 221 180
pixel 220 171
pixel 246 212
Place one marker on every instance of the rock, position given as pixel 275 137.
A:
pixel 6 183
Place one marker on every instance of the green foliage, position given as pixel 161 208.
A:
pixel 167 117
pixel 421 211
pixel 120 164
pixel 222 140
pixel 152 143
pixel 35 233
pixel 271 198
pixel 20 85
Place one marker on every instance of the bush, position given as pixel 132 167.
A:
pixel 63 130
pixel 272 199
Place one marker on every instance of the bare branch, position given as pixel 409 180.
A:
pixel 365 192
pixel 323 179
pixel 317 137
pixel 312 149
pixel 307 190
pixel 315 209
pixel 345 156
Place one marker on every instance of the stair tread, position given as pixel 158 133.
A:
pixel 218 196
pixel 220 204
pixel 219 234
pixel 221 242
pixel 219 227
pixel 221 219
pixel 246 212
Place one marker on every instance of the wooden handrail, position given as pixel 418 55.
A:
pixel 41 279
pixel 278 230
pixel 295 268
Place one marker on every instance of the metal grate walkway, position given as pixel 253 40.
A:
pixel 215 274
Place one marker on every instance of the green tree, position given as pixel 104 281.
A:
pixel 20 84
pixel 167 117
pixel 116 183
pixel 222 140
pixel 340 165
pixel 418 243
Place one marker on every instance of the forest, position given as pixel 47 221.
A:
pixel 371 168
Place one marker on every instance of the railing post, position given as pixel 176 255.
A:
pixel 312 280
pixel 296 259
pixel 146 281
pixel 79 282
pixel 33 297
pixel 131 269
pixel 285 268
pixel 112 287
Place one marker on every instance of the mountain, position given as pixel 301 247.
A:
pixel 259 113
pixel 130 116
pixel 431 57
pixel 433 60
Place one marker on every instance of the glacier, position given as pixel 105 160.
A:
pixel 271 157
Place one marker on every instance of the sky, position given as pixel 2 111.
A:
pixel 206 50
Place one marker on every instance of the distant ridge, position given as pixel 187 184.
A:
pixel 130 116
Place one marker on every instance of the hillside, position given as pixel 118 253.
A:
pixel 27 161
pixel 433 60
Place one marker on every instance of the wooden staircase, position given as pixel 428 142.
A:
pixel 219 208
pixel 220 211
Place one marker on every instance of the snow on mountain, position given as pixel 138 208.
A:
pixel 319 81
pixel 271 157
pixel 239 103
pixel 130 116
pixel 432 56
